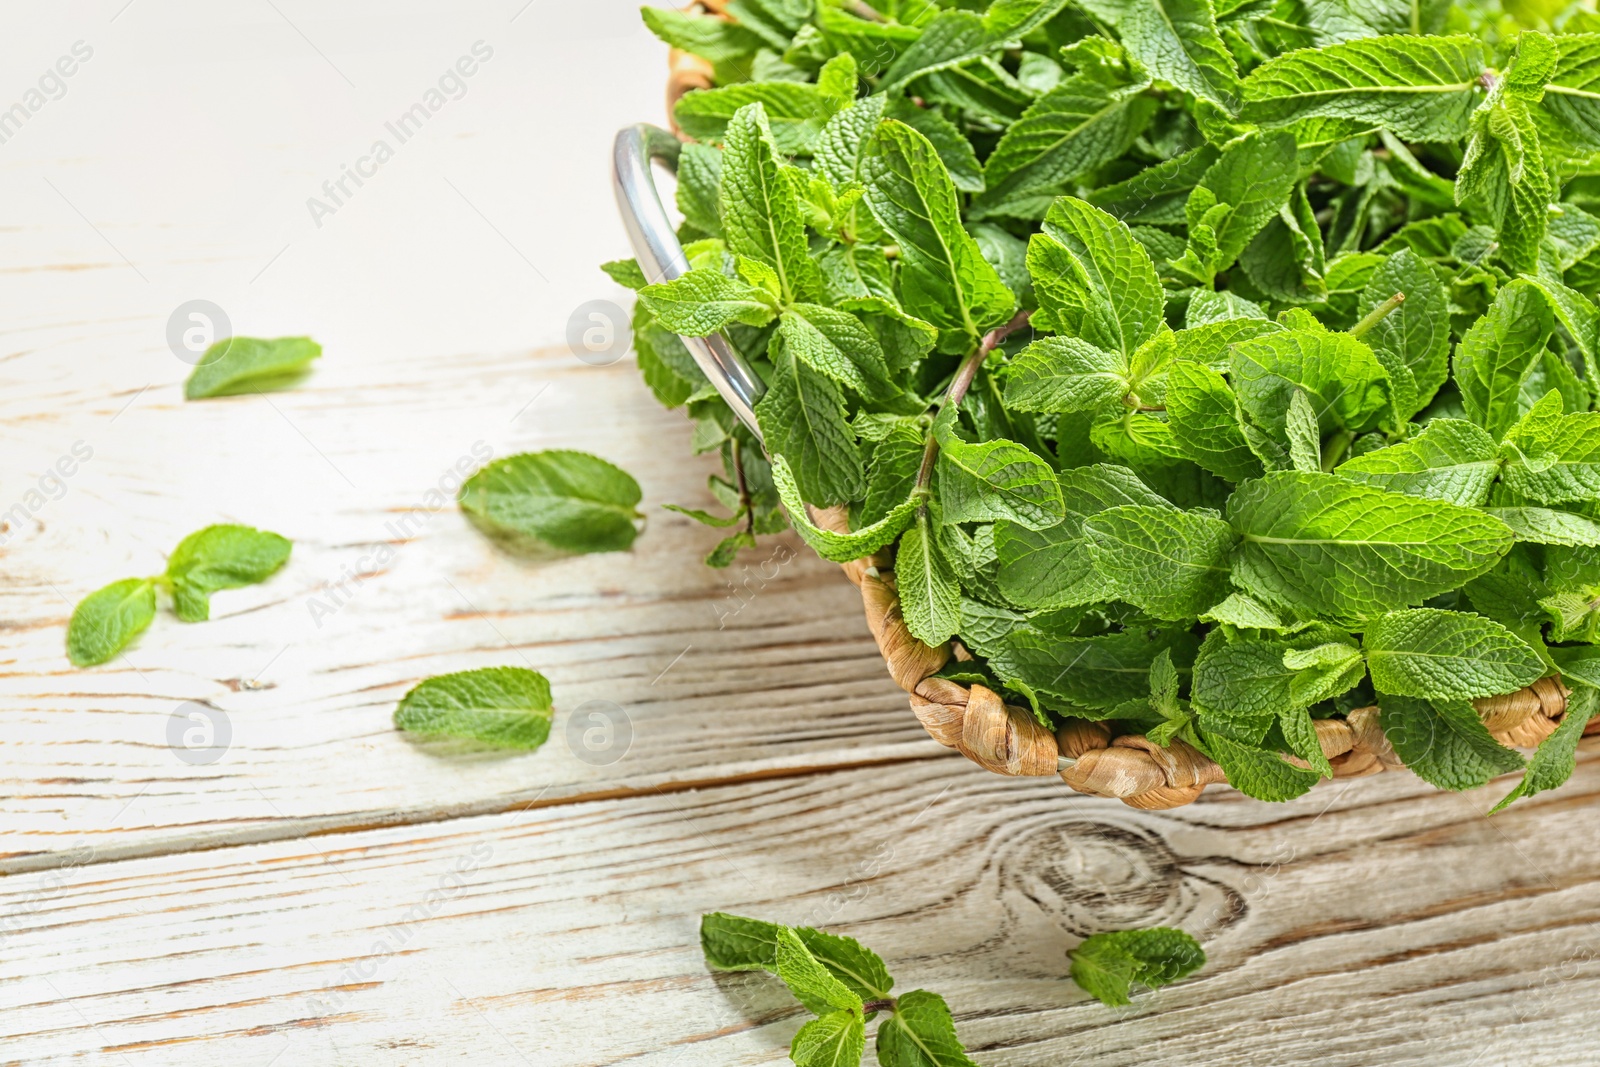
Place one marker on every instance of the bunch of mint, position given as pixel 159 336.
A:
pixel 1209 368
pixel 846 985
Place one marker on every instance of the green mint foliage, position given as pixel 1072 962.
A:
pixel 845 985
pixel 106 621
pixel 561 501
pixel 220 557
pixel 217 557
pixel 506 707
pixel 1207 367
pixel 250 365
pixel 1107 965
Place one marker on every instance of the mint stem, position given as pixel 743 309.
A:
pixel 961 383
pixel 886 1004
pixel 1377 314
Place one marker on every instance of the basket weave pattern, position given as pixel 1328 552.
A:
pixel 1089 756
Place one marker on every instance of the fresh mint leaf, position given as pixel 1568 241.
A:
pixel 1176 41
pixel 1107 965
pixel 220 557
pixel 735 943
pixel 1086 676
pixel 997 480
pixel 920 1033
pixel 1447 655
pixel 1094 280
pixel 802 417
pixel 1554 458
pixel 760 212
pixel 1412 341
pixel 837 1039
pixel 702 302
pixel 840 548
pixel 1326 546
pixel 1449 460
pixel 1173 564
pixel 796 112
pixel 1545 526
pixel 944 279
pixel 1203 412
pixel 1498 351
pixel 811 983
pixel 562 500
pixel 1256 772
pixel 249 365
pixel 1443 741
pixel 506 707
pixel 107 620
pixel 930 595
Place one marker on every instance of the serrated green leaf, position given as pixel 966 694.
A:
pixel 1173 564
pixel 1444 742
pixel 1258 773
pixel 1321 544
pixel 837 344
pixel 1553 458
pixel 796 112
pixel 735 943
pixel 1203 414
pixel 840 548
pixel 1107 964
pixel 560 499
pixel 1449 460
pixel 506 707
pixel 1556 757
pixel 837 1039
pixel 1063 374
pixel 930 596
pixel 944 279
pixel 1093 279
pixel 760 213
pixel 1254 178
pixel 1176 41
pixel 1305 438
pixel 997 480
pixel 702 302
pixel 1414 336
pixel 920 1033
pixel 1086 674
pixel 1447 655
pixel 811 983
pixel 221 557
pixel 237 365
pixel 1346 385
pixel 1421 88
pixel 108 619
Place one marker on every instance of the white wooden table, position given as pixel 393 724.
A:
pixel 327 891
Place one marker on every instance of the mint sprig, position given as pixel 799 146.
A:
pixel 217 557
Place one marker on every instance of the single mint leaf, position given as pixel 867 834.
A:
pixel 1094 280
pixel 562 500
pixel 944 279
pixel 1176 41
pixel 1346 385
pixel 1556 757
pixel 1063 374
pixel 796 112
pixel 1447 655
pixel 249 364
pixel 1258 773
pixel 920 1033
pixel 1498 351
pixel 626 273
pixel 1157 194
pixel 1552 458
pixel 699 194
pixel 1203 413
pixel 1173 564
pixel 760 212
pixel 1107 964
pixel 1444 742
pixel 105 621
pixel 735 943
pixel 1086 675
pixel 716 39
pixel 1258 678
pixel 837 344
pixel 1451 459
pixel 840 548
pixel 811 983
pixel 802 417
pixel 702 302
pixel 1420 88
pixel 1254 178
pixel 930 596
pixel 997 480
pixel 837 1039
pixel 1326 546
pixel 848 960
pixel 1245 612
pixel 221 557
pixel 507 707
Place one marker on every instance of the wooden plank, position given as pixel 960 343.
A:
pixel 764 667
pixel 1373 920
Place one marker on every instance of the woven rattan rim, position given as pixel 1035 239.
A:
pixel 1089 756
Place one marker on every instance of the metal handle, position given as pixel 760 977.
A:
pixel 660 255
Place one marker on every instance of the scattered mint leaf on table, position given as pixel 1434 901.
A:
pixel 107 620
pixel 561 500
pixel 1108 964
pixel 507 707
pixel 217 557
pixel 249 364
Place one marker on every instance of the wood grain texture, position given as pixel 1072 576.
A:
pixel 1376 921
